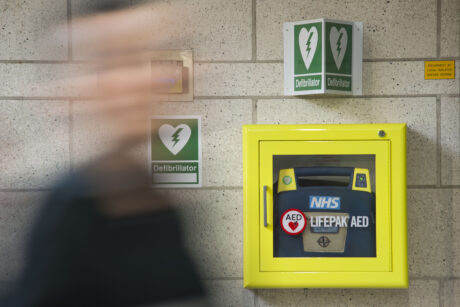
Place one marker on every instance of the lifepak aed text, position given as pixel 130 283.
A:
pixel 339 221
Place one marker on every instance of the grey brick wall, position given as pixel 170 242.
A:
pixel 239 80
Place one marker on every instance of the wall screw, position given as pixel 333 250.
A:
pixel 381 133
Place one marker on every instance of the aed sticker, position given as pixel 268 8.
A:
pixel 293 222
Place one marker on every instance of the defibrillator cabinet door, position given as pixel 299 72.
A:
pixel 351 233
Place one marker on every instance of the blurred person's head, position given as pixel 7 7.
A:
pixel 119 78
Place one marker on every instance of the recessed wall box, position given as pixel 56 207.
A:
pixel 325 206
pixel 173 68
pixel 323 57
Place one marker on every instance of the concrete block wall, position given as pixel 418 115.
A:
pixel 239 80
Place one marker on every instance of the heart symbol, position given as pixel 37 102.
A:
pixel 293 225
pixel 307 43
pixel 174 138
pixel 338 40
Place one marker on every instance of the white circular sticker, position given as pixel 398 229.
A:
pixel 293 222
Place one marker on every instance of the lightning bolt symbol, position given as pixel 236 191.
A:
pixel 339 42
pixel 309 42
pixel 175 136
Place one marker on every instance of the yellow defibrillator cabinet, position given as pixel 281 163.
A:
pixel 325 206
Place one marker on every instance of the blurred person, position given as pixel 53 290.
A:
pixel 104 237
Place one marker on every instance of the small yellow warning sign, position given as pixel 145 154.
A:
pixel 439 70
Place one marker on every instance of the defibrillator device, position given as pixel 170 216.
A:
pixel 324 212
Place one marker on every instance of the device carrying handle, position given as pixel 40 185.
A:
pixel 324 171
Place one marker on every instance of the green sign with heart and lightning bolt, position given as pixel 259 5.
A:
pixel 307 56
pixel 175 151
pixel 322 56
pixel 338 56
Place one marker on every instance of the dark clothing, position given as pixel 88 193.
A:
pixel 84 254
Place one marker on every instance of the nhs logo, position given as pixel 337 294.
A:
pixel 324 202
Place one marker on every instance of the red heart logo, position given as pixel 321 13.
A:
pixel 293 225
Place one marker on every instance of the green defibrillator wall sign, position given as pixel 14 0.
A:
pixel 175 151
pixel 323 56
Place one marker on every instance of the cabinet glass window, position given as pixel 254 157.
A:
pixel 324 206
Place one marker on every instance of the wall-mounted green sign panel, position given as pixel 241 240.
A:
pixel 323 56
pixel 175 151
